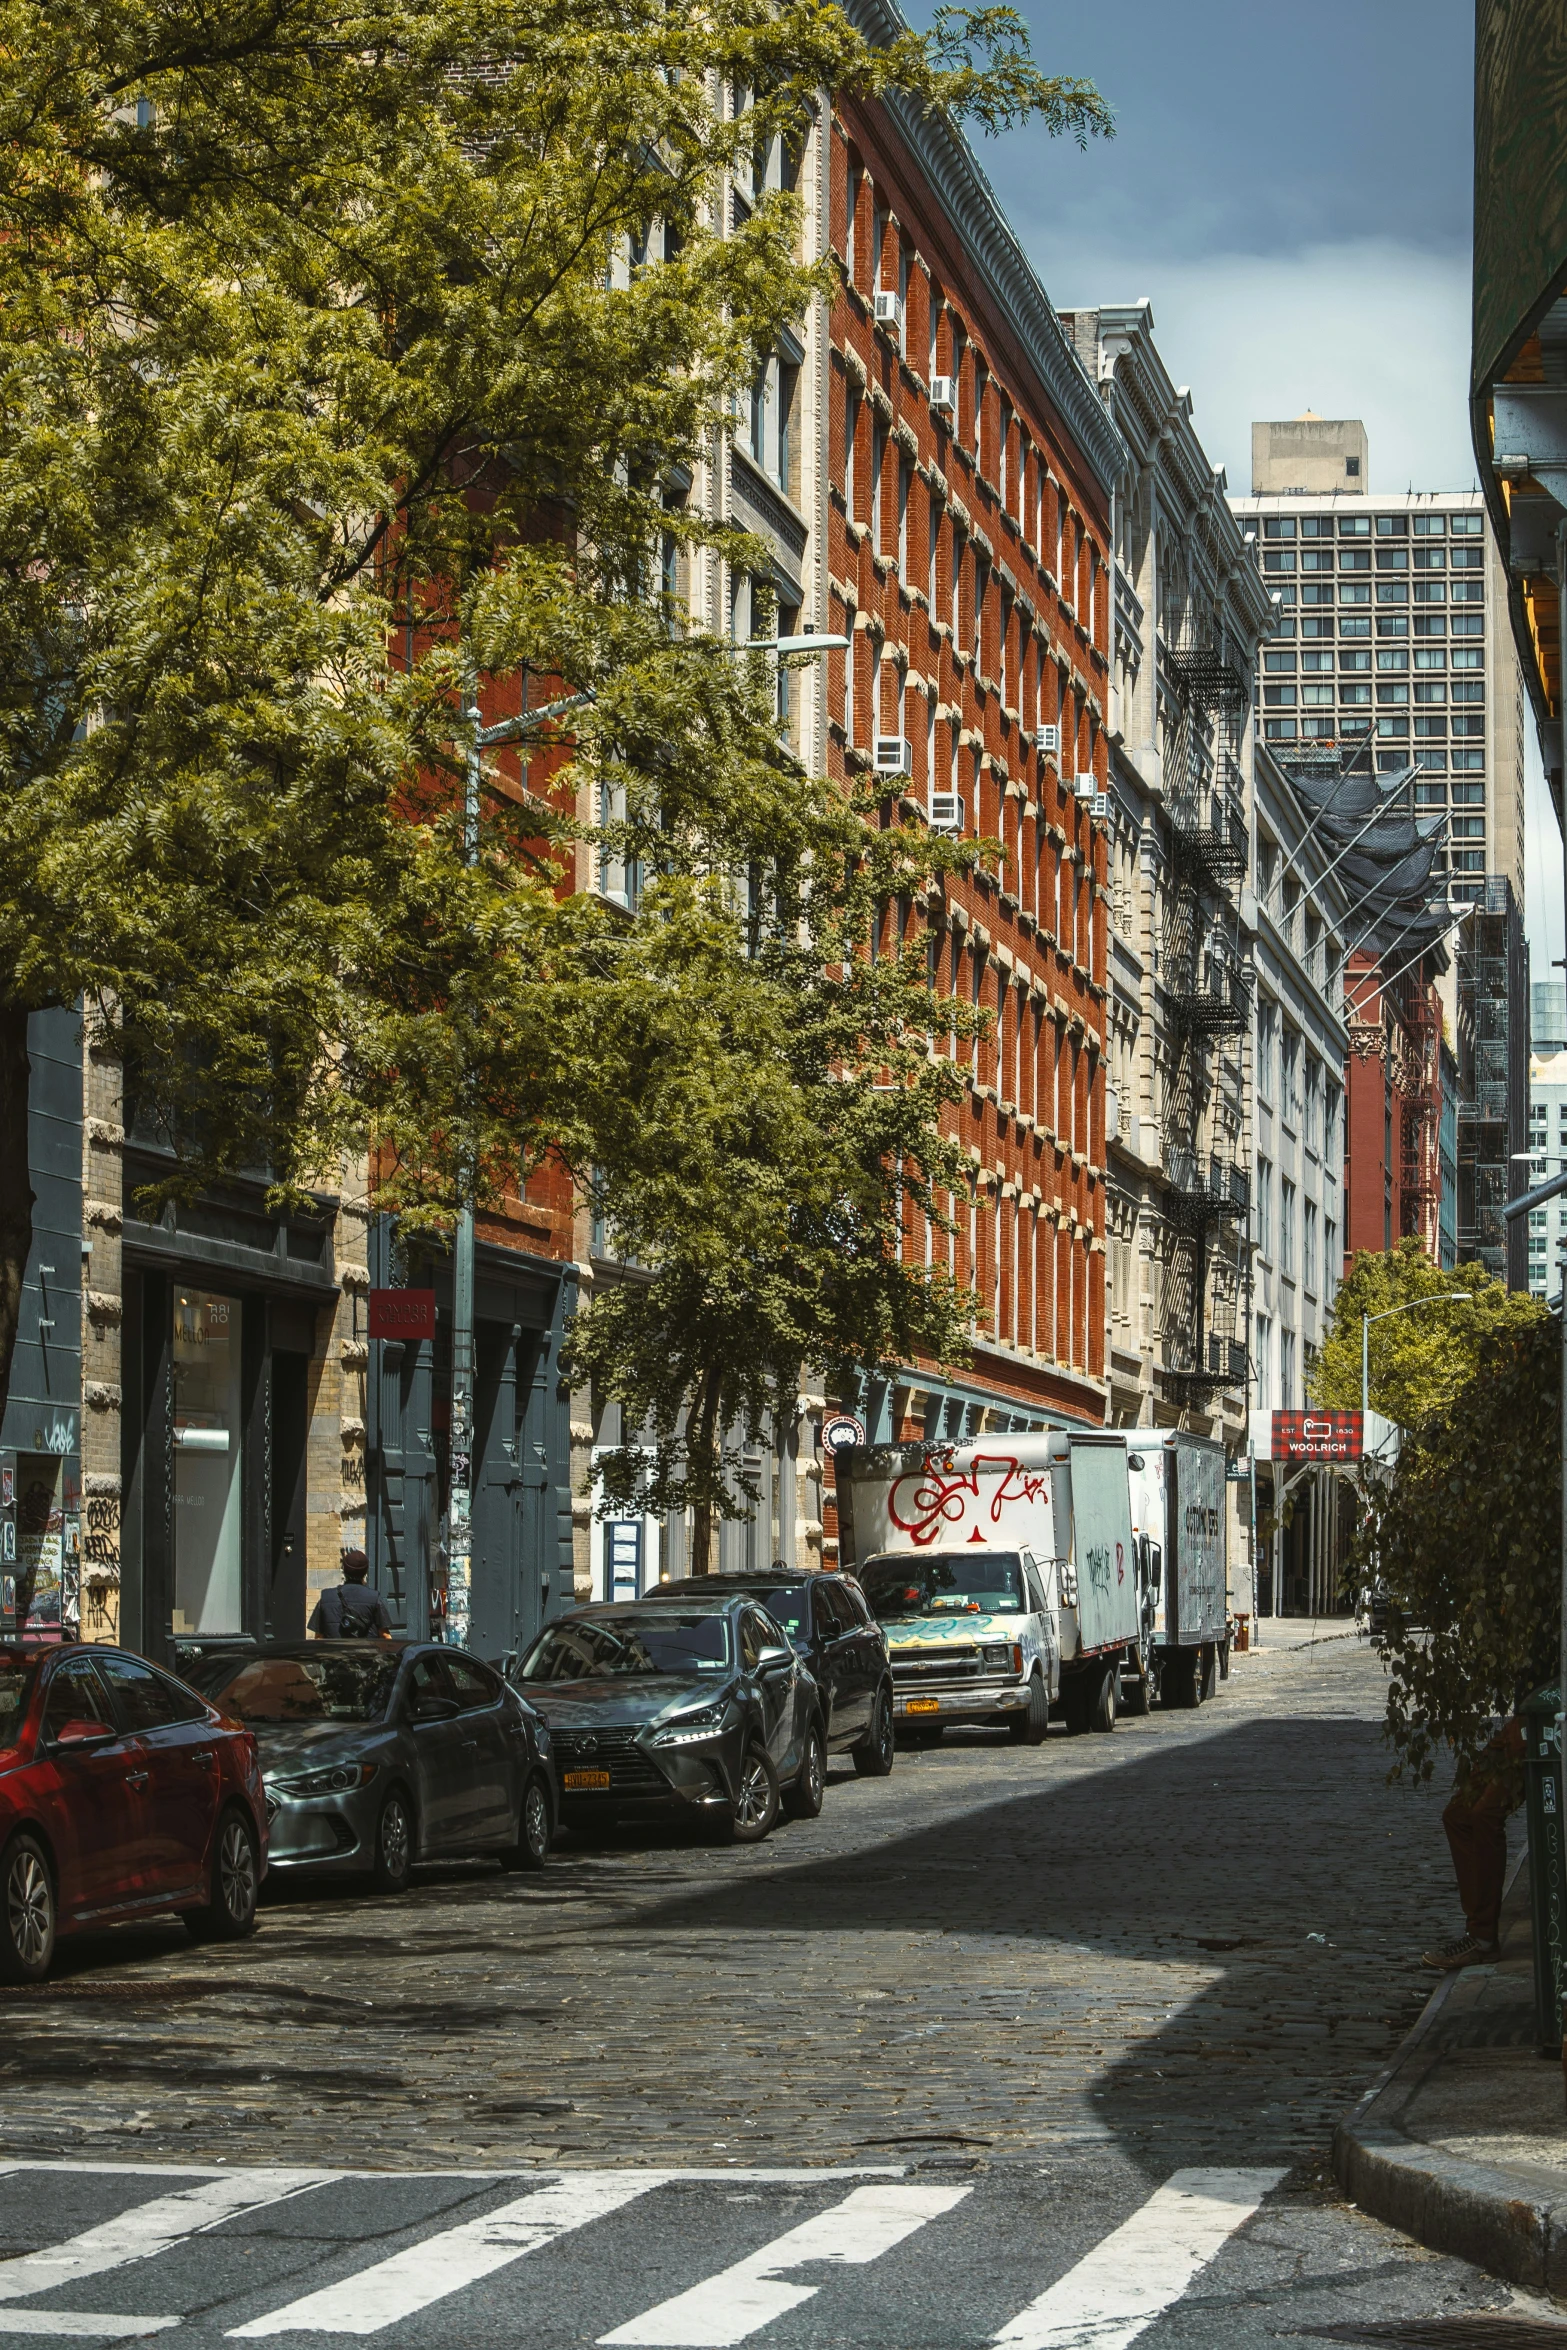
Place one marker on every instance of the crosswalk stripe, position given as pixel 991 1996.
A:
pixel 148 2228
pixel 1132 2276
pixel 739 2300
pixel 79 2325
pixel 410 2280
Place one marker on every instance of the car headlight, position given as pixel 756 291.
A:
pixel 1007 1654
pixel 336 1781
pixel 690 1729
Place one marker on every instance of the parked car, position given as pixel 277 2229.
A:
pixel 122 1792
pixel 829 1622
pixel 702 1706
pixel 377 1754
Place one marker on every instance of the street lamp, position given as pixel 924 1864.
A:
pixel 1448 1297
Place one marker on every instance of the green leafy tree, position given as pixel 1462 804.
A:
pixel 1420 1360
pixel 1466 1536
pixel 325 394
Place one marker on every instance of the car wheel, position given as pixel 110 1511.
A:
pixel 394 1844
pixel 804 1799
pixel 27 1912
pixel 1033 1727
pixel 230 1913
pixel 874 1756
pixel 534 1830
pixel 755 1807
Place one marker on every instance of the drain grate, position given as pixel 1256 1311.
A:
pixel 1487 2330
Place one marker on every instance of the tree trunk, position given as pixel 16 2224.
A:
pixel 16 1190
pixel 706 1416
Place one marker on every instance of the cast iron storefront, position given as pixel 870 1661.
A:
pixel 227 1313
pixel 522 1539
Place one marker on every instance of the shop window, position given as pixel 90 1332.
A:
pixel 207 1446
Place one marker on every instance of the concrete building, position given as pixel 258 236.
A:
pixel 1189 611
pixel 1393 633
pixel 1309 456
pixel 1547 1236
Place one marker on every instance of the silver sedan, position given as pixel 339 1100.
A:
pixel 376 1754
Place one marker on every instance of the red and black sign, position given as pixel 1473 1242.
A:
pixel 1317 1436
pixel 402 1313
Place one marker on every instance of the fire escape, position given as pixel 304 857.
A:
pixel 1207 989
pixel 1417 1078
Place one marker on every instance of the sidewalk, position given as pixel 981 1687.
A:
pixel 1462 2142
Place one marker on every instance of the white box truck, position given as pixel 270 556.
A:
pixel 1004 1574
pixel 1181 1528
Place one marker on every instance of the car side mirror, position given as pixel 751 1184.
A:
pixel 436 1709
pixel 774 1660
pixel 81 1733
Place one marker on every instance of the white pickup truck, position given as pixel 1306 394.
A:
pixel 1004 1575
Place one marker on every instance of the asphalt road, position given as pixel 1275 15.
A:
pixel 1034 2048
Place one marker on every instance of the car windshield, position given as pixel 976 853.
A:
pixel 944 1583
pixel 596 1648
pixel 17 1675
pixel 327 1685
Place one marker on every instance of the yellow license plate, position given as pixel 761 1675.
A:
pixel 923 1705
pixel 585 1778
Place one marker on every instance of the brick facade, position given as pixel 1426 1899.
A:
pixel 967 535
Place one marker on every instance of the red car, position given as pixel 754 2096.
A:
pixel 121 1793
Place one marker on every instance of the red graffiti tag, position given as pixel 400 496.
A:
pixel 939 1495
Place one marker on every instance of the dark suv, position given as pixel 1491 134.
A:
pixel 826 1617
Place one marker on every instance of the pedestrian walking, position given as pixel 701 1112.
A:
pixel 1475 1819
pixel 353 1611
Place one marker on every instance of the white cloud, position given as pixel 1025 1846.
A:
pixel 1372 328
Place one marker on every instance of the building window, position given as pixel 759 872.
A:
pixel 1430 526
pixel 1354 559
pixel 1287 1369
pixel 1265 1207
pixel 1267 1040
pixel 1354 526
pixel 1278 526
pixel 1308 1238
pixel 1287 1226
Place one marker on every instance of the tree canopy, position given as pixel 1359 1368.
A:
pixel 348 351
pixel 1421 1360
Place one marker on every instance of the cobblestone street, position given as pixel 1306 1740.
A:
pixel 1195 1940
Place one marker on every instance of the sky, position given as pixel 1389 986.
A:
pixel 1290 186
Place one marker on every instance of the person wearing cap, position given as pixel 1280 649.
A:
pixel 353 1611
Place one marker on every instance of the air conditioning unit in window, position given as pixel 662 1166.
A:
pixel 894 755
pixel 1102 806
pixel 1048 738
pixel 943 392
pixel 946 811
pixel 889 313
pixel 1084 787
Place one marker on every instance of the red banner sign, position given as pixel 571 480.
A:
pixel 402 1313
pixel 1317 1436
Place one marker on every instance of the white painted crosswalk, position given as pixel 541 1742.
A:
pixel 443 2257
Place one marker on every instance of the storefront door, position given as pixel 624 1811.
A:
pixel 208 1464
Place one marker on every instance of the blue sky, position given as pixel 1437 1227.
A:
pixel 1291 187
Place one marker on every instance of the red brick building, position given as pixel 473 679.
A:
pixel 968 484
pixel 1393 1106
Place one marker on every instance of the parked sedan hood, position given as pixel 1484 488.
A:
pixel 318 1744
pixel 631 1699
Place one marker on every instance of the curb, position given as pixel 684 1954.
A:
pixel 1512 2222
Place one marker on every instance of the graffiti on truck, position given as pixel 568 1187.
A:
pixel 937 1496
pixel 1096 1566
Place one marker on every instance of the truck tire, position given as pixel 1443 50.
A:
pixel 1137 1695
pixel 1033 1727
pixel 1107 1699
pixel 1076 1702
pixel 1180 1684
pixel 1209 1671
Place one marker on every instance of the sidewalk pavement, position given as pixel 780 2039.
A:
pixel 1462 2142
